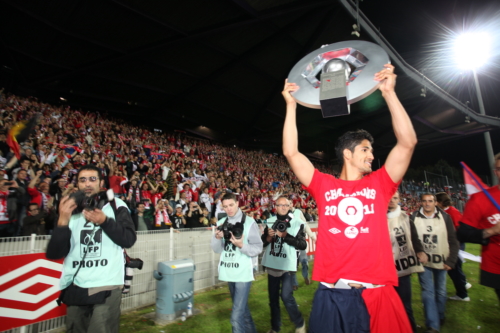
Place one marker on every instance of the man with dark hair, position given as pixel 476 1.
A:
pixel 481 224
pixel 193 216
pixel 237 247
pixel 353 247
pixel 437 234
pixel 349 141
pixel 91 243
pixel 142 222
pixel 37 220
pixel 456 274
pixel 280 259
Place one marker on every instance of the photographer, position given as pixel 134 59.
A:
pixel 9 194
pixel 193 216
pixel 91 241
pixel 283 236
pixel 237 246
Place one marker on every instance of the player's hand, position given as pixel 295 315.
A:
pixel 235 241
pixel 287 90
pixel 95 216
pixel 387 78
pixel 422 257
pixel 496 229
pixel 447 268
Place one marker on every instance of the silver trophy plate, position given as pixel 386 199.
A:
pixel 364 58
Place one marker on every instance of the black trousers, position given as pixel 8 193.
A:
pixel 404 292
pixel 459 280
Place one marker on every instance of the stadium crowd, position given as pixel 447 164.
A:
pixel 167 180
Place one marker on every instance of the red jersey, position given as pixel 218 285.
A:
pixel 455 215
pixel 480 213
pixel 155 198
pixel 353 236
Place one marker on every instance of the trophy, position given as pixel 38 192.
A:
pixel 337 75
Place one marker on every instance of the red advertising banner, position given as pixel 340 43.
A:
pixel 29 287
pixel 311 246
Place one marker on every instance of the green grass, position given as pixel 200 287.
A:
pixel 215 306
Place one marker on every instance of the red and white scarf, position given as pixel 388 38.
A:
pixel 158 219
pixel 137 193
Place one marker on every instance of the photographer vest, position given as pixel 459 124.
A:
pixel 405 258
pixel 434 237
pixel 280 255
pixel 235 266
pixel 103 265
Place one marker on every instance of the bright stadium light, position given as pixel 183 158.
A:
pixel 472 50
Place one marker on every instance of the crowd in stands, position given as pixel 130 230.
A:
pixel 168 180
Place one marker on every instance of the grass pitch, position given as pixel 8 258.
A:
pixel 481 314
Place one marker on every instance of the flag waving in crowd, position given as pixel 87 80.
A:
pixel 473 184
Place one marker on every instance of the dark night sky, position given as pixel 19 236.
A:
pixel 418 29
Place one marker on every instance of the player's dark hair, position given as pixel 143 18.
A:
pixel 350 140
pixel 444 199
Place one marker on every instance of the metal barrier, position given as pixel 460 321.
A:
pixel 151 247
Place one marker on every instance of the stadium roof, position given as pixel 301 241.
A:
pixel 216 68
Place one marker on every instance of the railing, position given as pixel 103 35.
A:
pixel 152 247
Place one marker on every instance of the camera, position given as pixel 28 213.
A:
pixel 227 228
pixel 281 226
pixel 84 202
pixel 8 183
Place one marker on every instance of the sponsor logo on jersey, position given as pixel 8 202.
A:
pixel 351 232
pixel 334 231
pixel 365 230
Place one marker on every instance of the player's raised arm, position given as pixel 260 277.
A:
pixel 399 158
pixel 300 164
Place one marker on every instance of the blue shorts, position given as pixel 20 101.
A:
pixel 339 310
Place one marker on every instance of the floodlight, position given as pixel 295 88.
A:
pixel 472 50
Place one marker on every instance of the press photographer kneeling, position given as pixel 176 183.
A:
pixel 90 235
pixel 283 236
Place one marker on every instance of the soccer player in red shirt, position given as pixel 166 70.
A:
pixel 480 224
pixel 353 242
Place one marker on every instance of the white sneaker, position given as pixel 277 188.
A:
pixel 456 298
pixel 301 329
pixel 468 285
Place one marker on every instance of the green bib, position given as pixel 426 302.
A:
pixel 280 255
pixel 235 266
pixel 103 265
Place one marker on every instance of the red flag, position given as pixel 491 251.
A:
pixel 473 183
pixel 11 139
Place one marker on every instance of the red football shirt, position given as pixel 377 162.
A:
pixel 455 214
pixel 353 236
pixel 480 213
